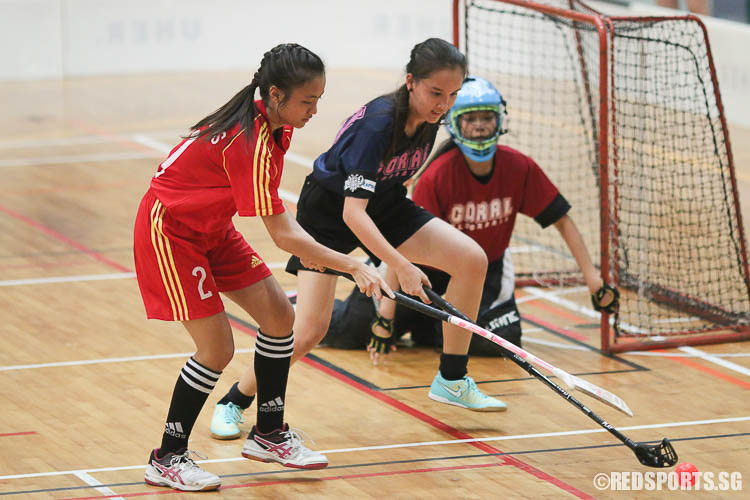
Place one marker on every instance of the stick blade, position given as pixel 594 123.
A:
pixel 602 395
pixel 659 455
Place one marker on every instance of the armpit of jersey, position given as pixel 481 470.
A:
pixel 357 181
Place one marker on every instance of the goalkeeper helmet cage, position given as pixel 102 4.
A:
pixel 476 94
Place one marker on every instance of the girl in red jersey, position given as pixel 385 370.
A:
pixel 355 197
pixel 187 251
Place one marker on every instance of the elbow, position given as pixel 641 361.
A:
pixel 282 240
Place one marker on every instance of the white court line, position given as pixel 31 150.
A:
pixel 556 291
pixel 299 159
pixel 685 355
pixel 98 486
pixel 105 361
pixel 79 140
pixel 558 345
pixel 163 147
pixel 575 307
pixel 68 279
pixel 714 359
pixel 94 277
pixel 150 142
pixel 63 160
pixel 288 196
pixel 414 445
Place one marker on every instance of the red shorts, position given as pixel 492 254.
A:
pixel 181 272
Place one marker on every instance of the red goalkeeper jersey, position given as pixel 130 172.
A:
pixel 487 211
pixel 204 182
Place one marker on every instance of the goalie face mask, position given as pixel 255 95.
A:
pixel 477 101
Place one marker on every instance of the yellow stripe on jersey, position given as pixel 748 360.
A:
pixel 261 172
pixel 258 170
pixel 223 151
pixel 265 159
pixel 267 183
pixel 167 269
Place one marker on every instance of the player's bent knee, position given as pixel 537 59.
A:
pixel 216 358
pixel 278 322
pixel 473 261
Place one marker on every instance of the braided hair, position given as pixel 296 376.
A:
pixel 286 66
pixel 434 54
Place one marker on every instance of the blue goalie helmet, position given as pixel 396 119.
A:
pixel 476 94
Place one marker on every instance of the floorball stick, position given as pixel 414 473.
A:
pixel 658 455
pixel 456 317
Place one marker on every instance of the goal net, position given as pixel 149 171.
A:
pixel 624 115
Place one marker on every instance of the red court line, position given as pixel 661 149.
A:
pixel 678 359
pixel 510 460
pixel 63 238
pixel 710 371
pixel 553 327
pixel 10 434
pixel 296 481
pixel 563 314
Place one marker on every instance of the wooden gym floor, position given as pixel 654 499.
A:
pixel 85 380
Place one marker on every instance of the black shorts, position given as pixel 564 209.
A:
pixel 320 213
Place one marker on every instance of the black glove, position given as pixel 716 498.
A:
pixel 378 343
pixel 606 299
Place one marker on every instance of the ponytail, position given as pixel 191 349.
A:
pixel 286 66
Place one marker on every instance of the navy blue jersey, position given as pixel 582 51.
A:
pixel 355 164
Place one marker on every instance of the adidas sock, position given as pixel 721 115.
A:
pixel 453 366
pixel 272 358
pixel 235 396
pixel 190 393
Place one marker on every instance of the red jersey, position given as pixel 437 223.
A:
pixel 487 212
pixel 204 182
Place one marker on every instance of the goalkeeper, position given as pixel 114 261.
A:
pixel 479 187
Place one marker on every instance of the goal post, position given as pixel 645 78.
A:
pixel 625 116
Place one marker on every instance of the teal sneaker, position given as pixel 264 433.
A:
pixel 225 420
pixel 463 393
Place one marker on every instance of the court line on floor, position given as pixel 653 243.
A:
pixel 64 239
pixel 418 444
pixel 97 485
pixel 287 472
pixel 105 361
pixel 93 277
pixel 711 358
pixel 282 471
pixel 12 434
pixel 424 417
pixel 714 359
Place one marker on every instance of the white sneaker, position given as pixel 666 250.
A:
pixel 179 471
pixel 283 446
pixel 224 423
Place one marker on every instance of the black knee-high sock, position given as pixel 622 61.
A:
pixel 453 366
pixel 190 393
pixel 272 358
pixel 234 395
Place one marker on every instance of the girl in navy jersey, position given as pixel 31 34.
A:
pixel 480 187
pixel 187 251
pixel 355 197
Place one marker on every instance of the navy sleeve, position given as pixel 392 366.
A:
pixel 361 158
